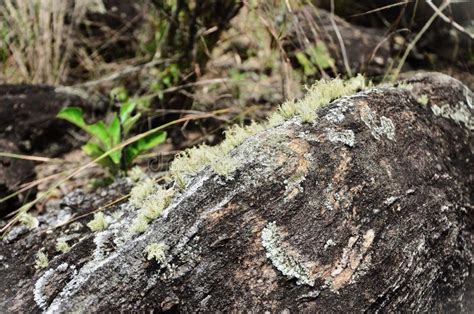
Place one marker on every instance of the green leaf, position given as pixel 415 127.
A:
pixel 308 67
pixel 119 92
pixel 128 125
pixel 114 133
pixel 151 141
pixel 320 56
pixel 95 151
pixel 99 130
pixel 126 109
pixel 146 143
pixel 73 115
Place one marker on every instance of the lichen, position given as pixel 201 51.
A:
pixel 62 246
pixel 136 174
pixel 423 100
pixel 385 128
pixel 225 166
pixel 139 224
pixel 99 222
pixel 287 264
pixel 188 163
pixel 346 137
pixel 40 285
pixel 42 260
pixel 156 251
pixel 28 220
pixel 459 113
pixel 141 191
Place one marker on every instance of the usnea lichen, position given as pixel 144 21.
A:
pixel 151 205
pixel 28 221
pixel 62 246
pixel 42 260
pixel 192 160
pixel 99 222
pixel 285 262
pixel 157 252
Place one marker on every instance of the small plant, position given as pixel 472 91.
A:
pixel 423 100
pixel 105 137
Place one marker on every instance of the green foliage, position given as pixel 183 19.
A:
pixel 107 136
pixel 166 78
pixel 315 57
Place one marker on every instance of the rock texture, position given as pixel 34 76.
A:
pixel 369 208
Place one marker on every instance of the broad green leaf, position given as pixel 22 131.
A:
pixel 320 56
pixel 151 141
pixel 99 130
pixel 128 125
pixel 95 151
pixel 148 142
pixel 308 67
pixel 73 115
pixel 126 110
pixel 114 134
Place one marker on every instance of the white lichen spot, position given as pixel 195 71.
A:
pixel 459 113
pixel 385 128
pixel 156 251
pixel 346 137
pixel 62 246
pixel 28 220
pixel 42 260
pixel 328 244
pixel 99 222
pixel 392 199
pixel 287 264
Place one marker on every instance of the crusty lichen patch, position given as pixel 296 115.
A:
pixel 281 258
pixel 383 128
pixel 346 137
pixel 458 113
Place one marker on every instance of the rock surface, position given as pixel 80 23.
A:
pixel 370 208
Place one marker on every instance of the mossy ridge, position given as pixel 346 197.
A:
pixel 192 160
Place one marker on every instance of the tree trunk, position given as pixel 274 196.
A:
pixel 369 208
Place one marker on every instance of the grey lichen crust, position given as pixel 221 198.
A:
pixel 460 113
pixel 383 128
pixel 285 262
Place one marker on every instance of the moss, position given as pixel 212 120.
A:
pixel 156 251
pixel 28 221
pixel 42 260
pixel 98 223
pixel 62 246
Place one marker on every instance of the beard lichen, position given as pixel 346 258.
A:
pixel 157 252
pixel 62 246
pixel 99 222
pixel 42 260
pixel 189 162
pixel 28 221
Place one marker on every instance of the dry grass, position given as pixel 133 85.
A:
pixel 38 39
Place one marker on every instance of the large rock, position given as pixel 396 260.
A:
pixel 367 209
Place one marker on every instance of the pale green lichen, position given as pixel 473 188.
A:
pixel 385 128
pixel 151 207
pixel 62 246
pixel 156 251
pixel 136 174
pixel 28 220
pixel 285 262
pixel 423 100
pixel 346 137
pixel 42 260
pixel 225 166
pixel 188 163
pixel 99 222
pixel 405 85
pixel 459 113
pixel 141 191
pixel 140 224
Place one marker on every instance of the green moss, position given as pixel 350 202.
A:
pixel 98 223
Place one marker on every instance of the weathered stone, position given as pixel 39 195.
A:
pixel 381 221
